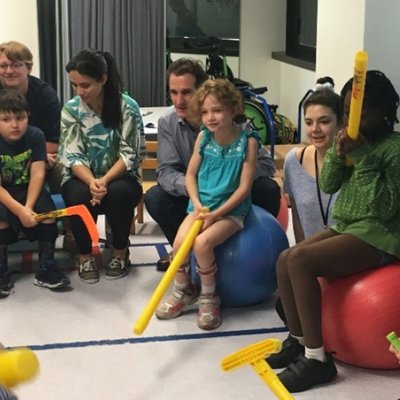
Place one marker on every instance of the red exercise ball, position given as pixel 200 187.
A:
pixel 283 215
pixel 358 311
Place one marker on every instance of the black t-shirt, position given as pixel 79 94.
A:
pixel 44 107
pixel 16 158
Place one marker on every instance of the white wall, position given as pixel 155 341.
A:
pixel 340 34
pixel 263 30
pixel 294 83
pixel 345 27
pixel 20 23
pixel 382 35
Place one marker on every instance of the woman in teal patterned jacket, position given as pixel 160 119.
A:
pixel 101 144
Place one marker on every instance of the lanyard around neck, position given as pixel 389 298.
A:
pixel 324 213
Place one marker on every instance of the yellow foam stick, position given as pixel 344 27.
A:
pixel 17 365
pixel 357 93
pixel 254 355
pixel 162 287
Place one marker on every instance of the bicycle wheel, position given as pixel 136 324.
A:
pixel 254 112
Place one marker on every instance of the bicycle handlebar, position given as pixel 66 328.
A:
pixel 259 90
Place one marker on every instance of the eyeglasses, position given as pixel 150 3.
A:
pixel 14 65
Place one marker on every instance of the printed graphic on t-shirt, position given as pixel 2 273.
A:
pixel 15 169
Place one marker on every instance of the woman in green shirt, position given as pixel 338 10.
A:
pixel 366 233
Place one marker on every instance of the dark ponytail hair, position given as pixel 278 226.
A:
pixel 96 64
pixel 324 95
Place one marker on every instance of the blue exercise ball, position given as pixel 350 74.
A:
pixel 247 261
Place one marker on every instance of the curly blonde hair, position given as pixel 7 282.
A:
pixel 224 92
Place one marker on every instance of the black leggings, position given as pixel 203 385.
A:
pixel 118 205
pixel 325 254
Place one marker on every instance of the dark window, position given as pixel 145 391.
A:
pixel 191 22
pixel 301 29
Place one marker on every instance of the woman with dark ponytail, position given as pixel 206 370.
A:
pixel 101 144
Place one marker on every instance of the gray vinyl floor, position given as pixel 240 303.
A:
pixel 87 350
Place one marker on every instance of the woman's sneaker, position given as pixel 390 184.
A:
pixel 209 316
pixel 6 394
pixel 88 271
pixel 176 302
pixel 5 285
pixel 291 348
pixel 117 268
pixel 304 373
pixel 51 277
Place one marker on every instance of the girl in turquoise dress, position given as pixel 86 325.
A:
pixel 218 180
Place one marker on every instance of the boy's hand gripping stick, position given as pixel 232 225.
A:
pixel 17 365
pixel 357 96
pixel 162 287
pixel 394 340
pixel 254 355
pixel 80 210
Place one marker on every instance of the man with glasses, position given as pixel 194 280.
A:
pixel 167 201
pixel 16 63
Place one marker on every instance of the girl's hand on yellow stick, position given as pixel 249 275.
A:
pixel 345 144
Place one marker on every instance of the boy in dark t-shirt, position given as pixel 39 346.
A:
pixel 16 62
pixel 22 195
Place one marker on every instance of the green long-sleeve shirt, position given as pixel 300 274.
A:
pixel 368 205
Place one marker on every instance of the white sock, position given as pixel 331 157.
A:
pixel 316 354
pixel 300 339
pixel 181 286
pixel 207 289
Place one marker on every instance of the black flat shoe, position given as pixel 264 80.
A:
pixel 163 263
pixel 291 348
pixel 304 373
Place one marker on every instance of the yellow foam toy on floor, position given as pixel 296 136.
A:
pixel 254 355
pixel 17 365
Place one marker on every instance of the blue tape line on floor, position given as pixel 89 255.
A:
pixel 156 244
pixel 152 339
pixel 162 251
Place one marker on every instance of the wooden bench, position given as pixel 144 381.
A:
pixel 148 167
